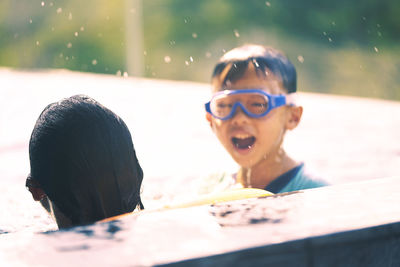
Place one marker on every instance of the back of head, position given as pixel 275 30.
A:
pixel 235 62
pixel 83 157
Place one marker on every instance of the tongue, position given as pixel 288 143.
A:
pixel 243 143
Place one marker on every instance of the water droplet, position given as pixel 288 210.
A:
pixel 379 34
pixel 125 74
pixel 76 34
pixel 324 33
pixel 61 55
pixel 42 3
pixel 37 43
pixel 30 21
pixel 378 25
pixel 82 28
pixel 333 23
pixel 167 59
pixel 194 35
pixel 255 63
pixel 223 51
pixel 191 59
pixel 364 18
pixel 172 42
pixel 145 53
pixel 267 3
pixel 66 58
pixel 94 62
pixel 300 58
pixel 208 54
pixel 236 32
pixel 330 39
pixel 185 20
pixel 119 73
pixel 59 10
pixel 70 16
pixel 187 63
pixel 69 45
pixel 376 49
pixel 51 4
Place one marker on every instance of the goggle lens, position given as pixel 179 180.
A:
pixel 254 103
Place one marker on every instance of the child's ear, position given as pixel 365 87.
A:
pixel 294 117
pixel 36 191
pixel 208 118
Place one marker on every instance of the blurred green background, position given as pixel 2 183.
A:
pixel 341 47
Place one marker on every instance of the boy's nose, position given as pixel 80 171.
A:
pixel 239 116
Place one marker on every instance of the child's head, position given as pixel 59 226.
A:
pixel 252 106
pixel 83 160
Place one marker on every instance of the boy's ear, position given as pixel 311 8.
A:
pixel 208 118
pixel 294 118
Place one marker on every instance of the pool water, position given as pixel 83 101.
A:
pixel 343 139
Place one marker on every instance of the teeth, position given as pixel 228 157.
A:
pixel 242 136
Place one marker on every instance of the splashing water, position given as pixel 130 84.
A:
pixel 300 58
pixel 59 10
pixel 167 59
pixel 191 59
pixel 76 34
pixel 267 3
pixel 194 35
pixel 236 32
pixel 376 49
pixel 42 4
pixel 94 62
pixel 69 45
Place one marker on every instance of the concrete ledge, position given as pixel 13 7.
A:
pixel 345 225
pixel 373 246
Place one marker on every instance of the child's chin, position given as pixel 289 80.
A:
pixel 244 162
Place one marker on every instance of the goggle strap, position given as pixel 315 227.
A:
pixel 291 99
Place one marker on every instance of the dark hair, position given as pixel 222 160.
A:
pixel 236 61
pixel 82 155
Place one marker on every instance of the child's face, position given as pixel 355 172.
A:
pixel 252 140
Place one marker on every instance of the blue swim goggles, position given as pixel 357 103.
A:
pixel 255 103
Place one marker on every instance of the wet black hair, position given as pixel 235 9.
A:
pixel 82 155
pixel 235 63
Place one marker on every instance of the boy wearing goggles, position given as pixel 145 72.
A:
pixel 252 107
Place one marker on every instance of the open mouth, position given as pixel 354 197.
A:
pixel 243 142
